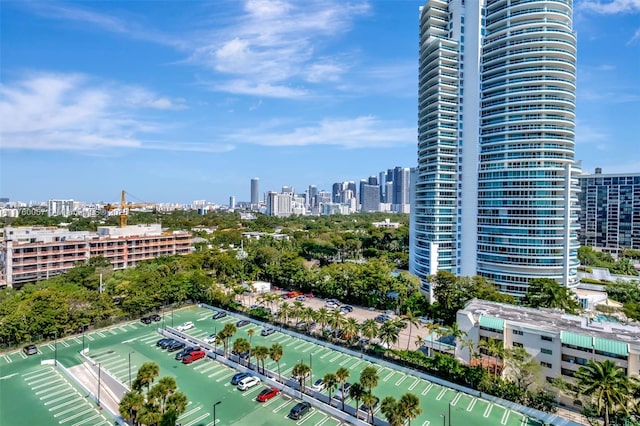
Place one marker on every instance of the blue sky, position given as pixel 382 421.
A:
pixel 177 101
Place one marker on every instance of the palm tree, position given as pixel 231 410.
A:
pixel 409 405
pixel 455 331
pixel 370 329
pixel 355 392
pixel 330 383
pixel 389 333
pixel 369 377
pixel 322 318
pixel 177 404
pixel 307 314
pixel 336 320
pixel 342 374
pixel 368 400
pixel 495 349
pixel 301 371
pixel 225 334
pixel 350 329
pixel 607 384
pixel 411 320
pixel 275 353
pixel 469 344
pixel 240 346
pixel 296 310
pixel 130 405
pixel 434 329
pixel 261 353
pixel 284 312
pixel 391 410
pixel 419 342
pixel 250 333
pixel 146 375
pixel 165 387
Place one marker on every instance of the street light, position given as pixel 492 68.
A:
pixel 130 368
pixel 55 348
pixel 99 384
pixel 449 413
pixel 444 419
pixel 214 412
pixel 215 343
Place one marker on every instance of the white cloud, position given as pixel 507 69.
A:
pixel 73 112
pixel 634 38
pixel 276 43
pixel 360 132
pixel 610 7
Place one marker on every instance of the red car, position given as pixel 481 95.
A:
pixel 193 356
pixel 267 394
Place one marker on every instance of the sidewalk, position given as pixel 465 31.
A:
pixel 90 381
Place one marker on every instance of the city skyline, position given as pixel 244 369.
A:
pixel 190 101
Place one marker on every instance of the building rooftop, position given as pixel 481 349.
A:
pixel 553 320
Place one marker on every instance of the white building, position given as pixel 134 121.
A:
pixel 561 343
pixel 495 189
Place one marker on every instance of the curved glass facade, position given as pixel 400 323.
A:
pixel 527 184
pixel 496 183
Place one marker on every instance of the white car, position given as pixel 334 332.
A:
pixel 186 326
pixel 248 382
pixel 318 385
pixel 211 339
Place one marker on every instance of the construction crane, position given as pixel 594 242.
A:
pixel 123 207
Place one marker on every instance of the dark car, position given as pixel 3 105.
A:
pixel 145 320
pixel 267 394
pixel 242 323
pixel 175 345
pixel 299 410
pixel 164 342
pixel 241 355
pixel 267 331
pixel 155 317
pixel 219 315
pixel 186 351
pixel 346 308
pixel 373 407
pixel 30 350
pixel 237 377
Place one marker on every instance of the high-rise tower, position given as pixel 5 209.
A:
pixel 255 182
pixel 495 186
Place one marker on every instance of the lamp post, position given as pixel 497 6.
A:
pixel 171 317
pixel 215 343
pixel 449 413
pixel 444 419
pixel 214 412
pixel 99 384
pixel 130 368
pixel 55 348
pixel 84 327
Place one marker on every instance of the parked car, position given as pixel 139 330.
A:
pixel 145 320
pixel 186 326
pixel 382 318
pixel 30 350
pixel 155 317
pixel 219 315
pixel 248 383
pixel 334 301
pixel 242 323
pixel 267 394
pixel 193 356
pixel 299 410
pixel 267 331
pixel 241 355
pixel 330 305
pixel 301 298
pixel 210 338
pixel 340 395
pixel 389 312
pixel 237 377
pixel 175 345
pixel 318 385
pixel 186 351
pixel 373 407
pixel 346 308
pixel 163 343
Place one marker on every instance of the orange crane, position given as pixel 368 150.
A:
pixel 124 208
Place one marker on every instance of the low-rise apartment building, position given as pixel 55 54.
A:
pixel 561 343
pixel 30 254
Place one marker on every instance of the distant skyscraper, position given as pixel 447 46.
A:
pixel 255 197
pixel 495 187
pixel 370 198
pixel 401 185
pixel 232 202
pixel 610 211
pixel 313 196
pixel 60 208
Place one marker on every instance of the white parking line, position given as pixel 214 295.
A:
pixel 202 417
pixel 86 420
pixel 39 373
pixel 427 389
pixel 53 401
pixel 52 394
pixel 441 394
pixel 52 388
pixel 82 413
pixel 414 384
pixel 6 358
pixel 47 384
pixel 64 404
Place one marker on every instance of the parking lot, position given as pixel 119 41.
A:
pixel 207 381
